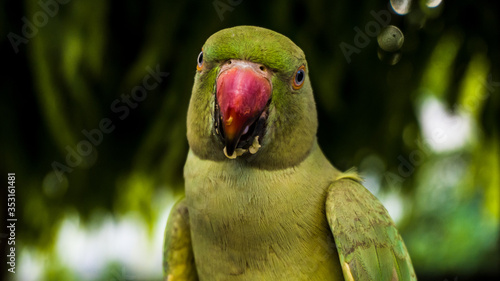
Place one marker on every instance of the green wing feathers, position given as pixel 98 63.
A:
pixel 178 258
pixel 368 243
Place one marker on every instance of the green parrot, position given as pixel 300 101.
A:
pixel 262 202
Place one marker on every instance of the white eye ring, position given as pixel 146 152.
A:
pixel 200 61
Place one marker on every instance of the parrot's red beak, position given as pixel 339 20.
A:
pixel 243 91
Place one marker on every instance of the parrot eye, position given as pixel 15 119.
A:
pixel 199 66
pixel 299 78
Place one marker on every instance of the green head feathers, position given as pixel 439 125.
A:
pixel 252 100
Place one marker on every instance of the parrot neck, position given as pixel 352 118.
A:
pixel 245 218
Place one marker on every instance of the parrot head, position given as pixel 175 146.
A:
pixel 252 100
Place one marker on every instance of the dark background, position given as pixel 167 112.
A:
pixel 68 71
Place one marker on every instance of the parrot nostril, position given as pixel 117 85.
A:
pixel 262 68
pixel 229 62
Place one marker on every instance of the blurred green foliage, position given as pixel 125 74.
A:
pixel 88 55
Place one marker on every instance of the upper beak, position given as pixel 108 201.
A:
pixel 243 91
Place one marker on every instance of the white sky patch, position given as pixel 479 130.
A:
pixel 391 199
pixel 372 182
pixel 371 169
pixel 394 205
pixel 88 250
pixel 30 266
pixel 443 130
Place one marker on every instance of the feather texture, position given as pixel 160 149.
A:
pixel 369 246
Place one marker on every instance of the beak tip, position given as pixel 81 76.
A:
pixel 229 154
pixel 230 145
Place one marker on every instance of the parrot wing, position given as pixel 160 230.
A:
pixel 368 243
pixel 178 258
